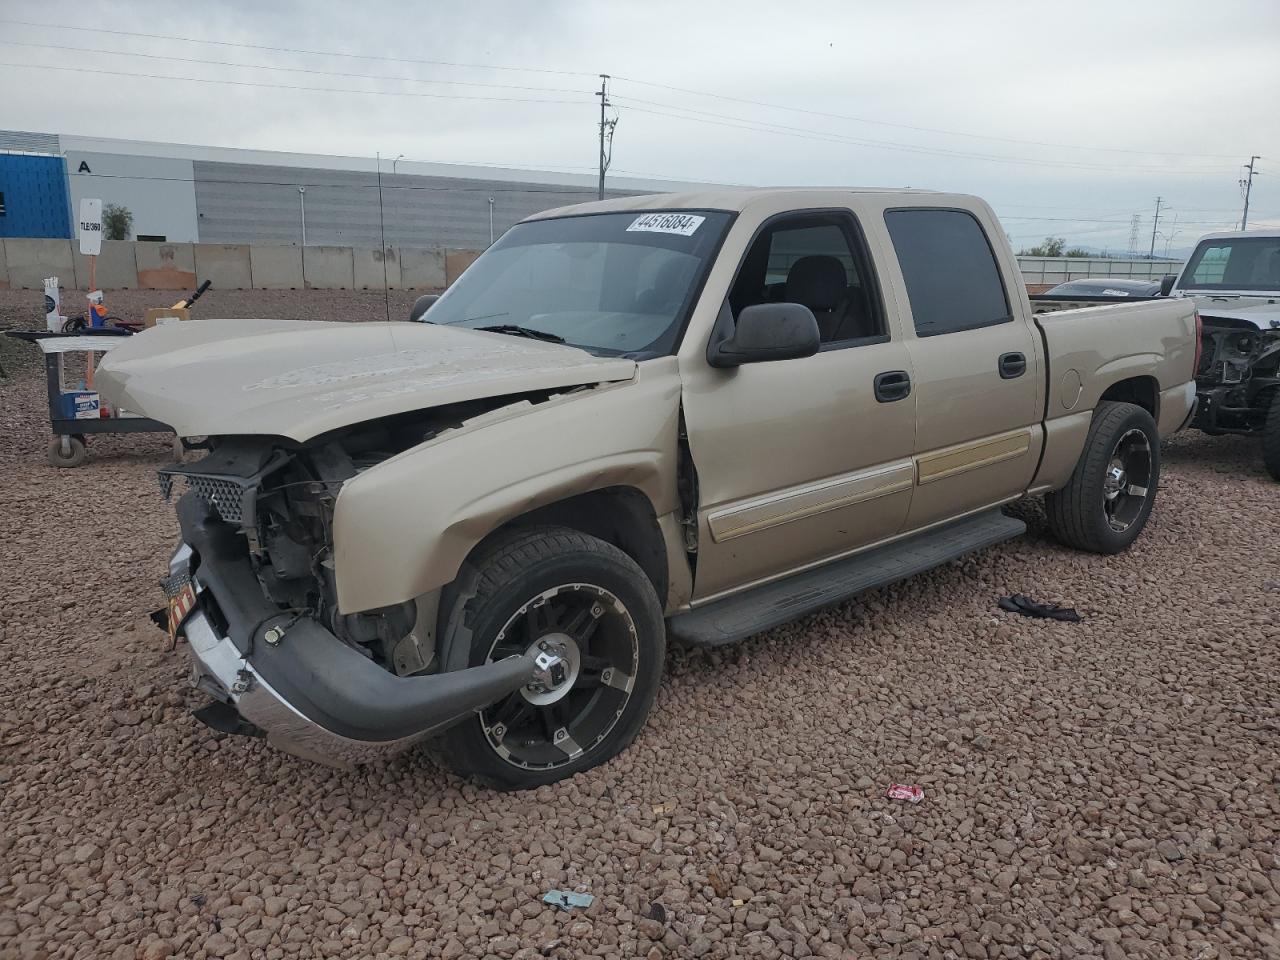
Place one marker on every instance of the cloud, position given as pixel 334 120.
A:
pixel 1154 76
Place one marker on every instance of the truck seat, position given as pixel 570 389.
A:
pixel 821 284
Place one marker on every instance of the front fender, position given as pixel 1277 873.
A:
pixel 403 527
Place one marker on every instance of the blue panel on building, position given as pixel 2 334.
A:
pixel 33 197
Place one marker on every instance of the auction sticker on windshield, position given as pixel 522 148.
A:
pixel 683 224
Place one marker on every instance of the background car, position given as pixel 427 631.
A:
pixel 1104 287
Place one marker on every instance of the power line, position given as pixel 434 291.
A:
pixel 279 69
pixel 578 73
pixel 286 86
pixel 919 129
pixel 942 151
pixel 318 53
pixel 1096 220
pixel 821 136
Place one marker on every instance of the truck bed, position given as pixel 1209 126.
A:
pixel 1148 348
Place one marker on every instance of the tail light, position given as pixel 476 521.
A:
pixel 1199 343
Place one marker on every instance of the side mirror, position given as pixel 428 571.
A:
pixel 421 306
pixel 1166 284
pixel 768 331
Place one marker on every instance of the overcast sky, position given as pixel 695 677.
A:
pixel 1011 100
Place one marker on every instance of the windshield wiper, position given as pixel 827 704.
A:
pixel 515 330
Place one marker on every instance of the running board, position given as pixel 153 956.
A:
pixel 733 618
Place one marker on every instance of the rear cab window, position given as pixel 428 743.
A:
pixel 951 274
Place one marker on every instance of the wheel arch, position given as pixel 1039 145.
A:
pixel 620 515
pixel 1141 391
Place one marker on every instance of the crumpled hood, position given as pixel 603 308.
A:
pixel 302 378
pixel 1263 314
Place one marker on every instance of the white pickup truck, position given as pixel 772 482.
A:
pixel 692 416
pixel 1234 279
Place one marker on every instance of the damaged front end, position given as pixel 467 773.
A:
pixel 267 640
pixel 1239 368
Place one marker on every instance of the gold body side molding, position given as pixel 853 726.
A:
pixel 970 456
pixel 799 502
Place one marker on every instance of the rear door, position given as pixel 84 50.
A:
pixel 975 360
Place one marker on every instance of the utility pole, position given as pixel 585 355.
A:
pixel 606 132
pixel 1155 223
pixel 1248 186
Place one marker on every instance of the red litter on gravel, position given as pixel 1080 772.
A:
pixel 904 791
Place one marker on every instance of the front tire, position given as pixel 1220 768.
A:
pixel 1271 437
pixel 554 589
pixel 1107 501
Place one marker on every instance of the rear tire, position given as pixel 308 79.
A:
pixel 592 604
pixel 1107 501
pixel 1271 437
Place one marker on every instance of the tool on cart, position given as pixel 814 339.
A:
pixel 96 317
pixel 160 315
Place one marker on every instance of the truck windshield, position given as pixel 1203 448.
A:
pixel 610 283
pixel 1249 263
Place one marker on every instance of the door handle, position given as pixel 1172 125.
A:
pixel 892 385
pixel 1012 365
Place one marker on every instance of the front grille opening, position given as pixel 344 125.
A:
pixel 224 494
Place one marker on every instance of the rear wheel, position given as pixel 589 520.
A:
pixel 592 616
pixel 1107 501
pixel 1271 437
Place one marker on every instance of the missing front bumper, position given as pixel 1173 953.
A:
pixel 309 693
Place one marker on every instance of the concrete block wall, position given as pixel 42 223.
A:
pixel 165 266
pixel 124 265
pixel 28 262
pixel 422 269
pixel 455 261
pixel 328 268
pixel 116 270
pixel 129 265
pixel 227 265
pixel 376 268
pixel 276 268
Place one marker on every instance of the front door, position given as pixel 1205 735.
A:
pixel 976 366
pixel 798 461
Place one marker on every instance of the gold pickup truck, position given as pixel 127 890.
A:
pixel 670 418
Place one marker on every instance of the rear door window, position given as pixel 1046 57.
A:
pixel 953 280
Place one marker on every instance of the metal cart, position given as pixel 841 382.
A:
pixel 67 448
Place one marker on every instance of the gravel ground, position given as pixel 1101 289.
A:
pixel 1101 789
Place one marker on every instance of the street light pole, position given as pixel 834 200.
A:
pixel 1248 186
pixel 606 129
pixel 1155 223
pixel 302 203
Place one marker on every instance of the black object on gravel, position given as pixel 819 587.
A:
pixel 1033 608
